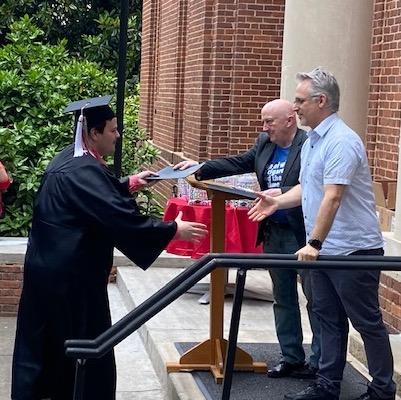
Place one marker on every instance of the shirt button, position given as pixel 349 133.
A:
pixel 305 217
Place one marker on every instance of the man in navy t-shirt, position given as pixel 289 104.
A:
pixel 275 158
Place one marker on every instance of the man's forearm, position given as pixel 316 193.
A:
pixel 325 217
pixel 290 199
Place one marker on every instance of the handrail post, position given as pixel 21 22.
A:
pixel 233 335
pixel 79 379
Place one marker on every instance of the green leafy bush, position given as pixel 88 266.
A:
pixel 82 24
pixel 36 82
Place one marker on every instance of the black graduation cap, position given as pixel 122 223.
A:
pixel 95 110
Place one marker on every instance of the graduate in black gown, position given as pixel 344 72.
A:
pixel 81 212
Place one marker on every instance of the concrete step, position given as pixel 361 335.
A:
pixel 185 320
pixel 136 378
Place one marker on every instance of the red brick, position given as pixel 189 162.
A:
pixel 395 310
pixel 9 300
pixel 10 284
pixel 11 268
pixel 10 292
pixel 9 308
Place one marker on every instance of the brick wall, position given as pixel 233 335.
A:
pixel 148 57
pixel 245 71
pixel 256 72
pixel 384 106
pixel 168 85
pixel 390 301
pixel 10 288
pixel 207 68
pixel 198 74
pixel 384 122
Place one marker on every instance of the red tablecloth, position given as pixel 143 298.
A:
pixel 240 231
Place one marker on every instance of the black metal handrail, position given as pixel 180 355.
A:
pixel 98 347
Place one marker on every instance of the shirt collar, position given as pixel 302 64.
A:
pixel 324 126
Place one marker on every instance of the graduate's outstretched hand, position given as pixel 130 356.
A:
pixel 184 165
pixel 264 206
pixel 191 231
pixel 138 181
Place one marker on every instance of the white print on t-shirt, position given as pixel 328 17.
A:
pixel 274 174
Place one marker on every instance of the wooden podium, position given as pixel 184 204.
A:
pixel 210 354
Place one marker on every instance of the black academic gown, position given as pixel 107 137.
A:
pixel 81 212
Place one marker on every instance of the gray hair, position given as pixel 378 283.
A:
pixel 323 82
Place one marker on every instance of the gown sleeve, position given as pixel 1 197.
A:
pixel 99 198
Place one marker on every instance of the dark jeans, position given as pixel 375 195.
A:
pixel 281 240
pixel 340 295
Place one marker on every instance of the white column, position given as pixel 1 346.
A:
pixel 335 34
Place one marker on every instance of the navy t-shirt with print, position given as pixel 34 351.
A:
pixel 273 176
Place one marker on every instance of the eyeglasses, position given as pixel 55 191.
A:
pixel 298 101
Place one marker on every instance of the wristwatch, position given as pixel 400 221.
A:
pixel 315 243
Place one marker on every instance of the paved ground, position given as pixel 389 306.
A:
pixel 136 377
pixel 7 329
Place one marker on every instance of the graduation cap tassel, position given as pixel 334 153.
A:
pixel 78 144
pixel 97 111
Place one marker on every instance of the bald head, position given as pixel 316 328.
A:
pixel 279 106
pixel 279 121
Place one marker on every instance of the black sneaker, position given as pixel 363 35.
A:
pixel 284 369
pixel 312 392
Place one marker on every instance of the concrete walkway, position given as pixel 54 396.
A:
pixel 7 330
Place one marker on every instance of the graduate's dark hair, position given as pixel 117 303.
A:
pixel 99 127
pixel 97 117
